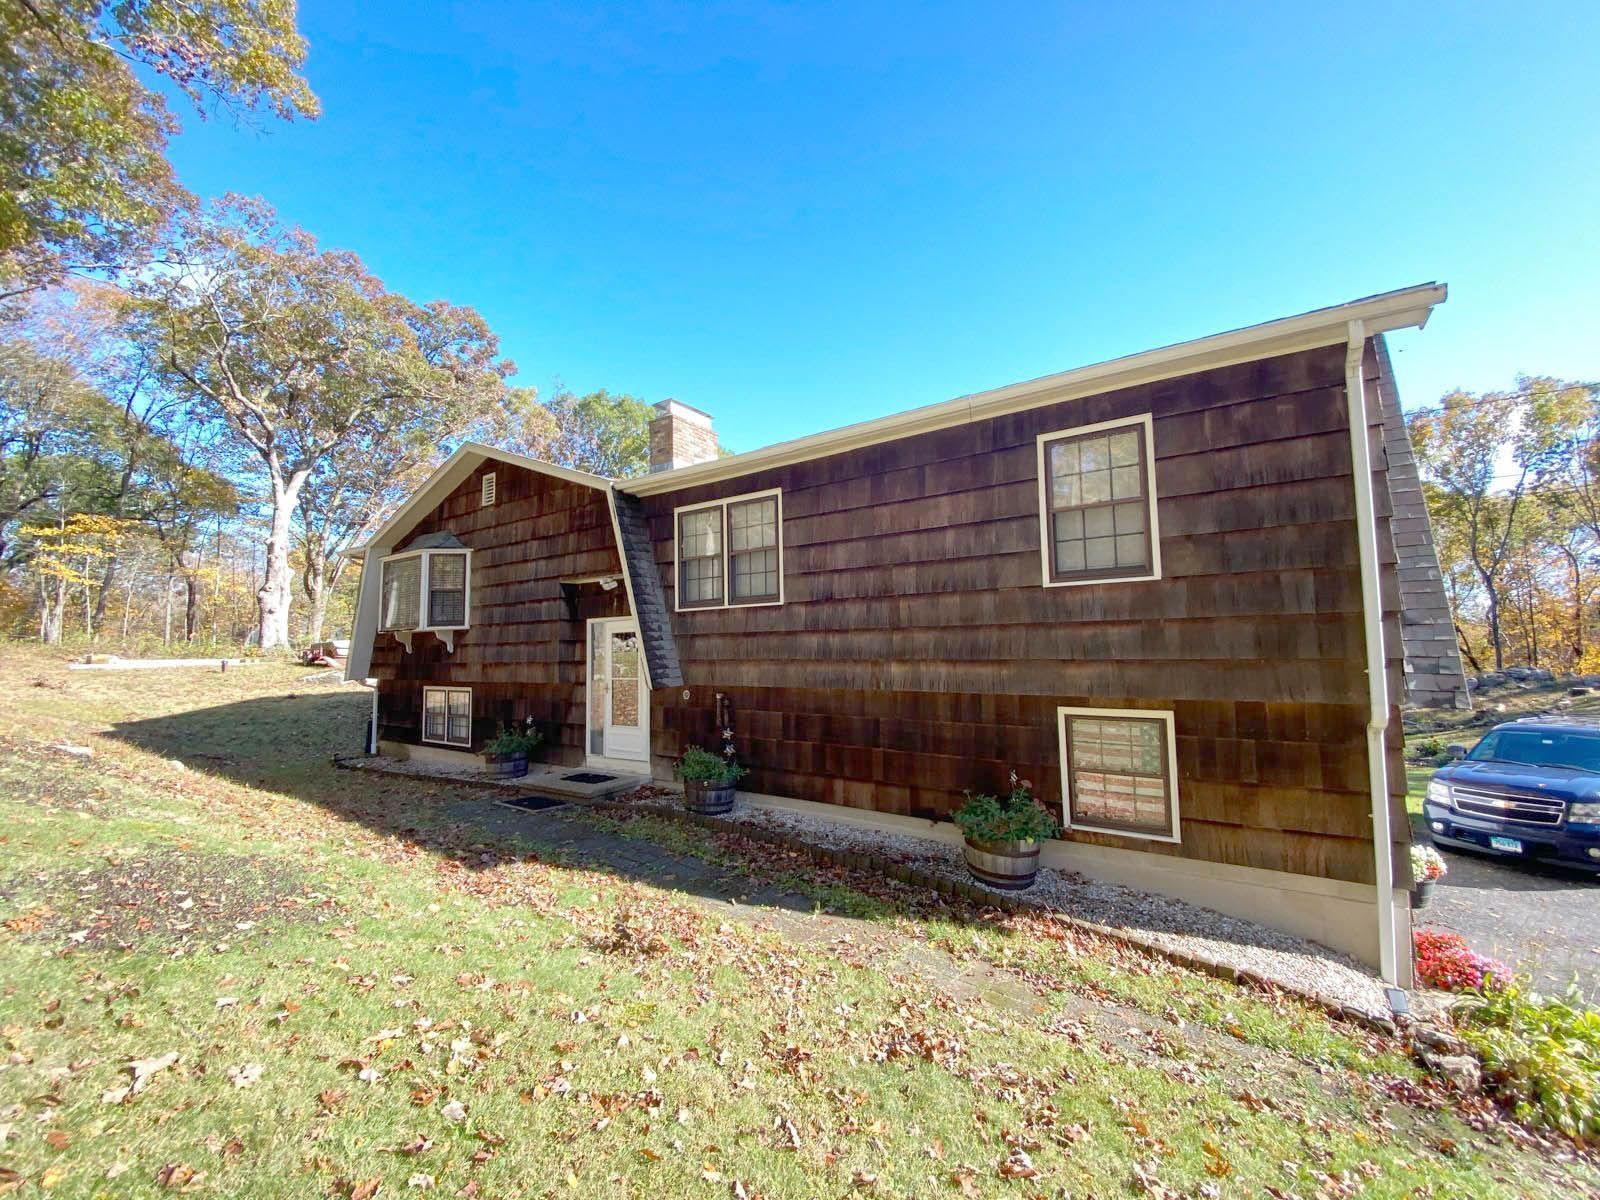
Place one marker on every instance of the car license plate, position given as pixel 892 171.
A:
pixel 1509 845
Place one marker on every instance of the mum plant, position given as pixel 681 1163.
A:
pixel 702 766
pixel 512 740
pixel 1017 817
pixel 1427 864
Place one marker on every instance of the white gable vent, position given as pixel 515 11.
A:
pixel 488 489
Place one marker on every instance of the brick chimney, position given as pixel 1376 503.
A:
pixel 680 436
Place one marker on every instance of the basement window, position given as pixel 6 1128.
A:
pixel 1097 510
pixel 426 591
pixel 729 553
pixel 447 716
pixel 1119 772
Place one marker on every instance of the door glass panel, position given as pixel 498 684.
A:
pixel 625 679
pixel 597 689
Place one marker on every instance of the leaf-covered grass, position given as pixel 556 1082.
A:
pixel 367 990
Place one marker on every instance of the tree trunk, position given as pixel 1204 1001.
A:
pixel 107 578
pixel 314 582
pixel 51 610
pixel 1466 650
pixel 1492 619
pixel 166 611
pixel 277 583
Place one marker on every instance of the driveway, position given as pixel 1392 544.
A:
pixel 1541 920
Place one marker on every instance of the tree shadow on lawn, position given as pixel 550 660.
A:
pixel 287 744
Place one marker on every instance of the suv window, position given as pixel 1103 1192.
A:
pixel 1540 748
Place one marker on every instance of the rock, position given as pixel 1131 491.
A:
pixel 1590 680
pixel 1460 1071
pixel 1521 674
pixel 75 751
pixel 1472 683
pixel 1541 675
pixel 1492 678
pixel 1434 1038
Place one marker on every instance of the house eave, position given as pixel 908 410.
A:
pixel 1405 308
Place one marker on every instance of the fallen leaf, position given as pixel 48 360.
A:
pixel 454 1112
pixel 144 1068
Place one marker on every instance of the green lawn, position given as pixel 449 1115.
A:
pixel 331 986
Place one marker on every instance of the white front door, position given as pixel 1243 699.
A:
pixel 618 704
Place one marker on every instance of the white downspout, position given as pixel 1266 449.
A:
pixel 372 734
pixel 1377 667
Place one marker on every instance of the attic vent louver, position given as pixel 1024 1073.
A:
pixel 488 489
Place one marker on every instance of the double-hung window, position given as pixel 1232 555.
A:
pixel 1097 507
pixel 447 715
pixel 425 591
pixel 730 552
pixel 1119 772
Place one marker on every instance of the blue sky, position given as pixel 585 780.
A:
pixel 796 216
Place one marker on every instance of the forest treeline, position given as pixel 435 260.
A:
pixel 1512 480
pixel 201 409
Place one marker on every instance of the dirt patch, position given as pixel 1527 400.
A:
pixel 173 900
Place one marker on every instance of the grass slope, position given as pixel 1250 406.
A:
pixel 227 969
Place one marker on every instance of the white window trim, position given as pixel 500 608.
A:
pixel 1146 421
pixel 446 740
pixel 727 574
pixel 1164 715
pixel 445 633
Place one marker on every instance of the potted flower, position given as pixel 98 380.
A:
pixel 1427 868
pixel 1003 835
pixel 708 780
pixel 507 755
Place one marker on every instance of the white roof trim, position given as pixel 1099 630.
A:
pixel 1323 327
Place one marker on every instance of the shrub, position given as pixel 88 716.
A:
pixel 1019 817
pixel 1431 747
pixel 702 766
pixel 1444 960
pixel 1427 864
pixel 1541 1054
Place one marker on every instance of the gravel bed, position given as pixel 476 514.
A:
pixel 1175 925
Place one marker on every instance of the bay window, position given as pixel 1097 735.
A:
pixel 425 591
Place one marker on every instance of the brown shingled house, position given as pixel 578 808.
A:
pixel 1183 592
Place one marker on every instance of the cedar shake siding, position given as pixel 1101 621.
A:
pixel 523 654
pixel 918 654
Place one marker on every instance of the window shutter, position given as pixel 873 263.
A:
pixel 488 489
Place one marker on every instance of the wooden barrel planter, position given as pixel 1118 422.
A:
pixel 506 766
pixel 1010 866
pixel 708 799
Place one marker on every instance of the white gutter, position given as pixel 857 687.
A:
pixel 1377 667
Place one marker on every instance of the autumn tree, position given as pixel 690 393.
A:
pixel 603 433
pixel 1483 453
pixel 84 178
pixel 298 353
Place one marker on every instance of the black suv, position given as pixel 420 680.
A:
pixel 1530 789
